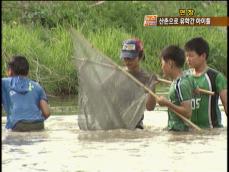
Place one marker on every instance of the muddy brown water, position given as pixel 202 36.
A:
pixel 62 147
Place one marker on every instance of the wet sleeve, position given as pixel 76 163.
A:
pixel 43 95
pixel 221 82
pixel 5 97
pixel 185 90
pixel 152 82
pixel 3 91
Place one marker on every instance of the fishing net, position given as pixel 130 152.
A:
pixel 108 99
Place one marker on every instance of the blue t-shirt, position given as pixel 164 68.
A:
pixel 20 98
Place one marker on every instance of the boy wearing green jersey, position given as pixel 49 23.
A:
pixel 180 92
pixel 205 108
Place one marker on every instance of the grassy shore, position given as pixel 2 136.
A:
pixel 40 31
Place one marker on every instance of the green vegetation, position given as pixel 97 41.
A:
pixel 40 31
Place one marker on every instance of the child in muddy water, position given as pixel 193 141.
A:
pixel 108 98
pixel 206 112
pixel 23 100
pixel 132 53
pixel 181 89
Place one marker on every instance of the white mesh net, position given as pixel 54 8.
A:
pixel 108 99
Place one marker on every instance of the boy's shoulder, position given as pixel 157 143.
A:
pixel 6 78
pixel 212 71
pixel 187 80
pixel 35 83
pixel 148 74
pixel 188 72
pixel 6 82
pixel 208 70
pixel 149 79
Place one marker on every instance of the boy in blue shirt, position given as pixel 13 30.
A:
pixel 23 100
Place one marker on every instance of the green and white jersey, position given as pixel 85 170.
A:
pixel 205 109
pixel 180 90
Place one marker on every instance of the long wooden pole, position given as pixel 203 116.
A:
pixel 198 89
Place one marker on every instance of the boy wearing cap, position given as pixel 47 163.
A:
pixel 205 110
pixel 24 100
pixel 132 53
pixel 180 92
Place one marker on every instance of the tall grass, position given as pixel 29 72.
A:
pixel 155 39
pixel 39 30
pixel 110 46
pixel 48 52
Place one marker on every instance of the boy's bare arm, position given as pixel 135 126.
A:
pixel 184 109
pixel 44 108
pixel 150 103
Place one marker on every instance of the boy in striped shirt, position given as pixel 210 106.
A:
pixel 181 89
pixel 205 108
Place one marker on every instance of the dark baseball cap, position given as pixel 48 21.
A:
pixel 131 48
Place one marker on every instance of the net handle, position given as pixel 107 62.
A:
pixel 198 89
